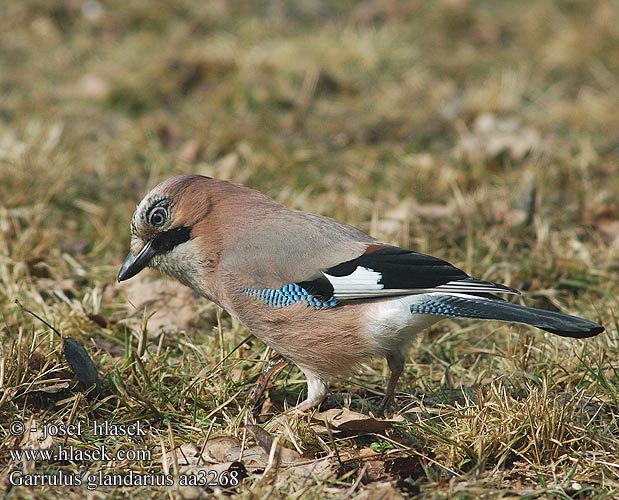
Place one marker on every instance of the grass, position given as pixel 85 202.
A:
pixel 481 132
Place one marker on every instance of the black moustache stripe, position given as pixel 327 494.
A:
pixel 166 241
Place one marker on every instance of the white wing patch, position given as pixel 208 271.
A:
pixel 363 283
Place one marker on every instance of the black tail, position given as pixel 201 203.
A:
pixel 460 306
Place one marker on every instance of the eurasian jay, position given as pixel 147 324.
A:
pixel 321 293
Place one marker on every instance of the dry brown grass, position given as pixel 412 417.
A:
pixel 482 132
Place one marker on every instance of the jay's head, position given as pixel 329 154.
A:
pixel 163 226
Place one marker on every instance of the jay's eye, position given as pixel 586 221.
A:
pixel 158 217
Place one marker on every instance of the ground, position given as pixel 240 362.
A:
pixel 481 132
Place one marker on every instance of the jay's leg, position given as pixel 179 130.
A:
pixel 395 360
pixel 317 390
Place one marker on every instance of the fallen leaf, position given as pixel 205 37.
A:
pixel 313 468
pixel 492 137
pixel 223 448
pixel 374 469
pixel 347 420
pixel 53 388
pixel 265 440
pixel 82 366
pixel 255 458
pixel 379 491
pixel 220 450
pixel 173 306
pixel 188 454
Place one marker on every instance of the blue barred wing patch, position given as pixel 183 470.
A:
pixel 290 294
pixel 436 307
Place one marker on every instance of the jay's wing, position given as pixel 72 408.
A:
pixel 443 290
pixel 390 271
pixel 434 286
pixel 333 261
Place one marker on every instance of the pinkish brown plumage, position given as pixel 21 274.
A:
pixel 321 293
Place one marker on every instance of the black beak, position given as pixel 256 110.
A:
pixel 133 264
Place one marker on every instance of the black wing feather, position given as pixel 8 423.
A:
pixel 403 269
